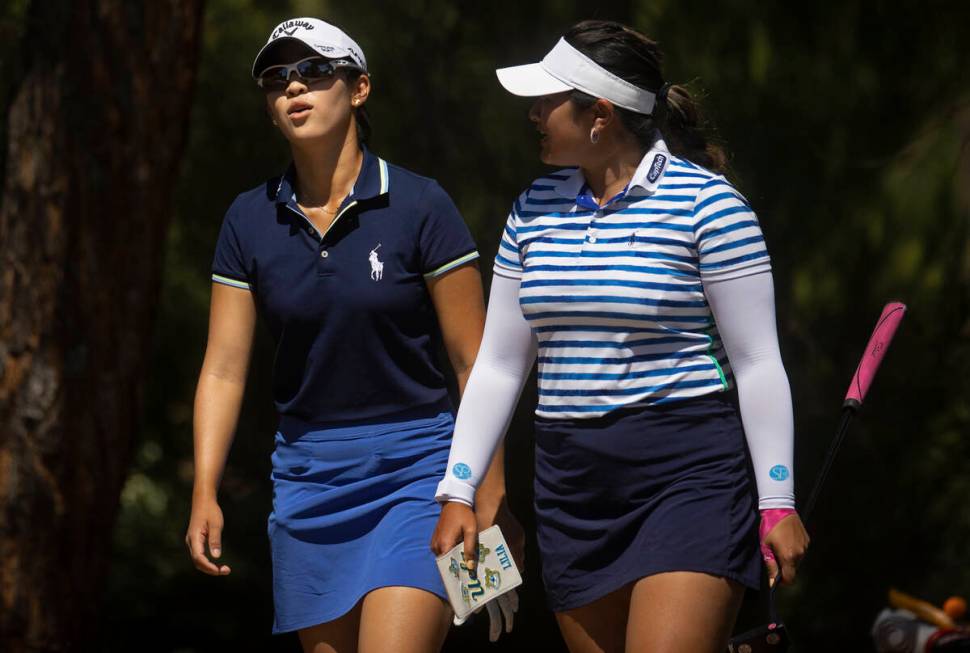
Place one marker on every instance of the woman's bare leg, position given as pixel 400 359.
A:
pixel 599 627
pixel 403 620
pixel 682 612
pixel 337 636
pixel 671 612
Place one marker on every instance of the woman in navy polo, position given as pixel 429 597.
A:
pixel 353 264
pixel 639 279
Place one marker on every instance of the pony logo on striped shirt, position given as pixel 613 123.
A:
pixel 656 168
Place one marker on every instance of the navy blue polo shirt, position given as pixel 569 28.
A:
pixel 355 329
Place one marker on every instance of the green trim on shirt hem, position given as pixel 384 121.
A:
pixel 226 281
pixel 471 256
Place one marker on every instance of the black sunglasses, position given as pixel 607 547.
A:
pixel 311 69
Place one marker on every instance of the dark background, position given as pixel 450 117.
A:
pixel 848 124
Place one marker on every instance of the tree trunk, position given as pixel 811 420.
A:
pixel 96 128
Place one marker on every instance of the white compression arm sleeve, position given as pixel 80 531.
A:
pixel 504 360
pixel 744 309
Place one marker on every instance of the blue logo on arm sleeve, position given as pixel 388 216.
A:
pixel 462 471
pixel 778 473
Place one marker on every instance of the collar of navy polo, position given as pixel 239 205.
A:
pixel 647 176
pixel 372 181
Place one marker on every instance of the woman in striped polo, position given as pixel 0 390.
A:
pixel 640 278
pixel 360 269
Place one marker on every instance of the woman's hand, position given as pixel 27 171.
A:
pixel 456 523
pixel 459 522
pixel 783 544
pixel 205 529
pixel 489 513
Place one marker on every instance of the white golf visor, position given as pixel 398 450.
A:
pixel 566 68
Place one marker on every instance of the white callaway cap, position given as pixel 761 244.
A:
pixel 566 68
pixel 329 41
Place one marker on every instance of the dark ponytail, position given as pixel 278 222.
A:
pixel 632 56
pixel 683 126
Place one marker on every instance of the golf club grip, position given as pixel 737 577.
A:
pixel 882 335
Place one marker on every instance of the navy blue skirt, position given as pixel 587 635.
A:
pixel 353 510
pixel 643 491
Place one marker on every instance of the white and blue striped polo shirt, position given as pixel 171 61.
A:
pixel 614 294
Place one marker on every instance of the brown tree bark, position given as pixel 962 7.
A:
pixel 96 129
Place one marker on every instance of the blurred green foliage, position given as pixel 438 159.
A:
pixel 849 125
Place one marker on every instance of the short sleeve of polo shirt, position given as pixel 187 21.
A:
pixel 727 234
pixel 444 239
pixel 508 260
pixel 229 264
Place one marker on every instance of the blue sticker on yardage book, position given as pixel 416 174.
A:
pixel 462 471
pixel 778 473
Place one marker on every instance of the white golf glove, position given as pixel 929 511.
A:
pixel 505 606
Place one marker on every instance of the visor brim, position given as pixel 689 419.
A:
pixel 530 80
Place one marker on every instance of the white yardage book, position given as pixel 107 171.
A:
pixel 496 573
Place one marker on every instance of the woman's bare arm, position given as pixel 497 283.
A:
pixel 218 399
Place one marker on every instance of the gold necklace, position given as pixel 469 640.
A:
pixel 309 206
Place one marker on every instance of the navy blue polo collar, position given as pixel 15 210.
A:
pixel 372 181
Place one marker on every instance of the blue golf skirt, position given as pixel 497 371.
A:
pixel 642 491
pixel 354 510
